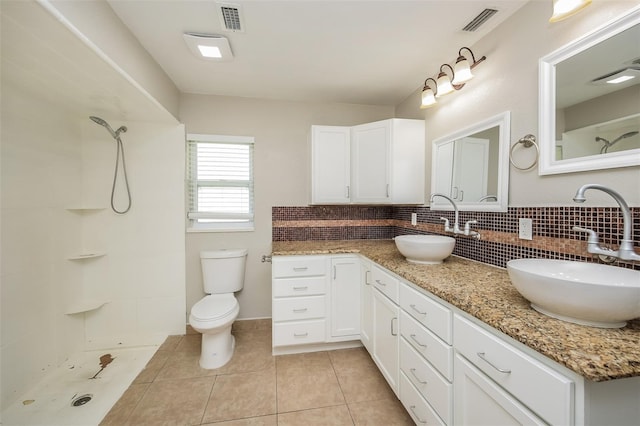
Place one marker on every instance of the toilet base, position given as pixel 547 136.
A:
pixel 217 349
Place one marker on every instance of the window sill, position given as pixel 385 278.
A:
pixel 197 230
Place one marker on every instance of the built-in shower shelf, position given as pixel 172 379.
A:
pixel 85 209
pixel 85 306
pixel 83 256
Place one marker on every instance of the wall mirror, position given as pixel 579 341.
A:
pixel 589 108
pixel 471 166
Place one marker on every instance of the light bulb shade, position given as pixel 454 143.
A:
pixel 444 85
pixel 428 98
pixel 562 9
pixel 462 71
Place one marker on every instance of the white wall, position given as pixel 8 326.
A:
pixel 41 170
pixel 282 170
pixel 142 275
pixel 508 80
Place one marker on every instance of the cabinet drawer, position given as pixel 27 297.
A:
pixel 386 283
pixel 428 312
pixel 299 266
pixel 299 308
pixel 548 393
pixel 433 387
pixel 416 406
pixel 298 333
pixel 308 286
pixel 434 350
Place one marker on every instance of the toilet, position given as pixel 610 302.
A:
pixel 213 315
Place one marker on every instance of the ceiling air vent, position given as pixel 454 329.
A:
pixel 230 16
pixel 479 20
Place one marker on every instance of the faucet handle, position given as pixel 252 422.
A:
pixel 468 231
pixel 447 224
pixel 593 236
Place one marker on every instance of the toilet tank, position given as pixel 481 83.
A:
pixel 223 270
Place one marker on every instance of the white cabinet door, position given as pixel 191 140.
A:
pixel 366 305
pixel 370 162
pixel 345 297
pixel 330 164
pixel 480 401
pixel 385 338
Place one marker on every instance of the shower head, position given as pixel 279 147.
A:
pixel 104 124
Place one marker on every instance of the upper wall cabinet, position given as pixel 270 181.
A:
pixel 373 163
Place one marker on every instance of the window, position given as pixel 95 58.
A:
pixel 220 182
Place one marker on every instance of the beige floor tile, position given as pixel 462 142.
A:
pixel 387 412
pixel 153 367
pixel 170 343
pixel 369 385
pixel 251 421
pixel 303 388
pixel 252 353
pixel 237 396
pixel 173 402
pixel 183 365
pixel 121 411
pixel 352 361
pixel 327 416
pixel 303 361
pixel 190 343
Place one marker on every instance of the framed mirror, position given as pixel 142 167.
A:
pixel 471 166
pixel 589 100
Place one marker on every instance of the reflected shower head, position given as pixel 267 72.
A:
pixel 104 124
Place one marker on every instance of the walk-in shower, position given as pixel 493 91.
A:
pixel 115 134
pixel 608 144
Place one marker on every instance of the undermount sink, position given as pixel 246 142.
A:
pixel 425 249
pixel 583 293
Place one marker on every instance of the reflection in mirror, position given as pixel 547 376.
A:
pixel 589 110
pixel 471 166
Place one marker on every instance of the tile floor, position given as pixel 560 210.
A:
pixel 342 387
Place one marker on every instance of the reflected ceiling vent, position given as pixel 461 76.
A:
pixel 231 17
pixel 479 20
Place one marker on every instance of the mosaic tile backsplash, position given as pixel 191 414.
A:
pixel 553 237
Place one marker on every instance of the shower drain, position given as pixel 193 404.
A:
pixel 81 400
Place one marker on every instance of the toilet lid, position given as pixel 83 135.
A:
pixel 214 306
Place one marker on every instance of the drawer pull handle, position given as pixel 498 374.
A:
pixel 417 310
pixel 413 410
pixel 300 334
pixel 301 288
pixel 501 370
pixel 366 278
pixel 413 372
pixel 392 333
pixel 300 268
pixel 381 283
pixel 413 337
pixel 297 311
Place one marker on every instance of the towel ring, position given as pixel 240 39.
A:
pixel 528 141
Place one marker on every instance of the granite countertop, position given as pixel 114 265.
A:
pixel 485 292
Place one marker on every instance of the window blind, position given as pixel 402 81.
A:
pixel 220 179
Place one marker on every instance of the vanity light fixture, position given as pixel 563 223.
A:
pixel 428 94
pixel 562 9
pixel 444 82
pixel 462 68
pixel 209 46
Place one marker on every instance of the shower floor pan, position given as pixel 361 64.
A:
pixel 52 400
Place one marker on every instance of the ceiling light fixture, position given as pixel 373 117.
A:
pixel 209 46
pixel 428 94
pixel 563 9
pixel 462 68
pixel 619 76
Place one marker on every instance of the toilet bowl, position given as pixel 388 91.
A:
pixel 213 315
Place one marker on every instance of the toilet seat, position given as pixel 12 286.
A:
pixel 214 306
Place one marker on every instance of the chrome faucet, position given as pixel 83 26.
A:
pixel 456 224
pixel 625 251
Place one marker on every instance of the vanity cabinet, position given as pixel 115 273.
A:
pixel 315 303
pixel 386 314
pixel 366 305
pixel 374 163
pixel 344 297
